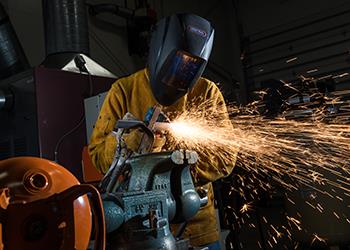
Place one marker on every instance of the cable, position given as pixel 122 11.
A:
pixel 58 144
pixel 80 64
pixel 91 86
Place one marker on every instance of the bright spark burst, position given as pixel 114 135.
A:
pixel 319 239
pixel 278 233
pixel 290 152
pixel 310 154
pixel 246 207
pixel 295 222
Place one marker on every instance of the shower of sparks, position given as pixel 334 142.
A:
pixel 309 154
pixel 293 153
pixel 295 222
pixel 245 208
pixel 292 59
pixel 319 239
pixel 278 233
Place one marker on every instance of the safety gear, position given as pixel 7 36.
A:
pixel 132 137
pixel 179 50
pixel 159 142
pixel 133 94
pixel 44 202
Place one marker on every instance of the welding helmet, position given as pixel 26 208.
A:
pixel 179 50
pixel 46 207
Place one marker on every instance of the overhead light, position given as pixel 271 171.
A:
pixel 292 59
pixel 93 67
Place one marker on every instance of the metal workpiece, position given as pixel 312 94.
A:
pixel 191 156
pixel 184 156
pixel 178 157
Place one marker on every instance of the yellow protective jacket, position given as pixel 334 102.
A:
pixel 133 94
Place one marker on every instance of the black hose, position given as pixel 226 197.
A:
pixel 66 26
pixel 12 57
pixel 111 8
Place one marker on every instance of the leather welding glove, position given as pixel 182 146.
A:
pixel 132 138
pixel 159 142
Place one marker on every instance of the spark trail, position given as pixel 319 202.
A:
pixel 288 153
pixel 305 152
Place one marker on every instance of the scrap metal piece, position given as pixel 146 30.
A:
pixel 178 157
pixel 191 156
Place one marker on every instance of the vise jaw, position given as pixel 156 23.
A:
pixel 152 190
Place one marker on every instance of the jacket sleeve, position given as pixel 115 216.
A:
pixel 213 164
pixel 102 143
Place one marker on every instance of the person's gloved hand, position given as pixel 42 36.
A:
pixel 159 142
pixel 129 138
pixel 160 139
pixel 132 138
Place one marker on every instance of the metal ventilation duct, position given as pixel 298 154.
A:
pixel 12 57
pixel 66 27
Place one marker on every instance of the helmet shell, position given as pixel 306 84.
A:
pixel 185 33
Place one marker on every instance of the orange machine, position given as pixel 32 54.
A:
pixel 43 206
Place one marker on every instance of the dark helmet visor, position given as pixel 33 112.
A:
pixel 181 70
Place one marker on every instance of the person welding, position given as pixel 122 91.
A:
pixel 180 47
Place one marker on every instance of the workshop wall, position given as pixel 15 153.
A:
pixel 108 44
pixel 260 16
pixel 284 40
pixel 288 39
pixel 107 48
pixel 26 18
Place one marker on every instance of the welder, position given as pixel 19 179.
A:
pixel 179 50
